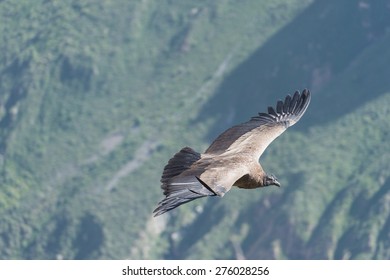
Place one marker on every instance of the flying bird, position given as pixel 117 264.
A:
pixel 232 159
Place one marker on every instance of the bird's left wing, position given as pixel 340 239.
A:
pixel 254 136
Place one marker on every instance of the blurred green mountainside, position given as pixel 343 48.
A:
pixel 95 97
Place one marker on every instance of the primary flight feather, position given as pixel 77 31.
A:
pixel 232 159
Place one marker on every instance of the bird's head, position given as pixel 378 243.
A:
pixel 270 179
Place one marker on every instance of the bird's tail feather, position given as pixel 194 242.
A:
pixel 181 190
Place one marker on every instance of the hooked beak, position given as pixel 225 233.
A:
pixel 276 183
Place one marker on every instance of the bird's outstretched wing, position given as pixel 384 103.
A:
pixel 254 136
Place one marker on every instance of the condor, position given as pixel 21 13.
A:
pixel 232 159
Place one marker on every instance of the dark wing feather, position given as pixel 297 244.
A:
pixel 271 111
pixel 286 104
pixel 255 135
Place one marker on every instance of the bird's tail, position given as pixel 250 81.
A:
pixel 180 162
pixel 181 189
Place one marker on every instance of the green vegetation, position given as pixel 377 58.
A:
pixel 95 97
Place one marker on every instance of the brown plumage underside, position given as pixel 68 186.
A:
pixel 232 159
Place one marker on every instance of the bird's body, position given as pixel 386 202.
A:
pixel 231 160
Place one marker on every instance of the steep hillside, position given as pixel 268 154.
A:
pixel 334 163
pixel 334 200
pixel 94 98
pixel 326 40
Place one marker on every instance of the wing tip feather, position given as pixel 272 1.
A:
pixel 289 111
